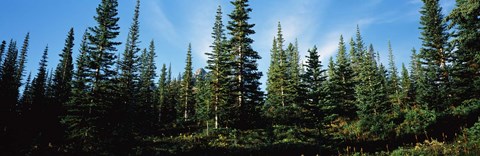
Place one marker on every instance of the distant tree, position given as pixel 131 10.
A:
pixel 187 94
pixel 393 79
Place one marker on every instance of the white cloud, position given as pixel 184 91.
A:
pixel 162 23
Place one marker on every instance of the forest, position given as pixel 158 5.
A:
pixel 111 102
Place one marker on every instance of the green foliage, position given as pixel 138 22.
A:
pixel 416 121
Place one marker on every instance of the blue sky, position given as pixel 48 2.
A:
pixel 175 23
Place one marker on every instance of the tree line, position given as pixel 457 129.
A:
pixel 109 103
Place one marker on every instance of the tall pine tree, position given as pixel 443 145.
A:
pixel 433 89
pixel 219 65
pixel 187 96
pixel 246 87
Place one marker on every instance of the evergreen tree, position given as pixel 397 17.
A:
pixel 40 106
pixel 313 79
pixel 372 101
pixel 246 87
pixel 22 60
pixel 219 65
pixel 79 119
pixel 415 73
pixel 25 101
pixel 147 86
pixel 405 87
pixel 63 73
pixel 294 69
pixel 279 87
pixel 162 97
pixel 393 80
pixel 434 85
pixel 465 65
pixel 203 108
pixel 343 80
pixel 8 93
pixel 58 91
pixel 128 108
pixel 2 50
pixel 187 96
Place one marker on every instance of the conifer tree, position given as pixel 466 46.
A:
pixel 79 119
pixel 2 50
pixel 393 80
pixel 40 105
pixel 147 90
pixel 162 97
pixel 63 73
pixel 294 69
pixel 434 84
pixel 129 108
pixel 405 87
pixel 371 98
pixel 25 101
pixel 278 76
pixel 343 81
pixel 465 65
pixel 246 87
pixel 313 79
pixel 187 96
pixel 9 91
pixel 219 65
pixel 22 60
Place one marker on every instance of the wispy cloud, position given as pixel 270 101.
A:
pixel 161 22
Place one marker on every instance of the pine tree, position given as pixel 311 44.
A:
pixel 465 65
pixel 415 73
pixel 203 108
pixel 279 87
pixel 147 86
pixel 219 65
pixel 79 119
pixel 343 81
pixel 58 91
pixel 371 97
pixel 434 85
pixel 2 50
pixel 393 80
pixel 187 96
pixel 313 79
pixel 40 106
pixel 247 93
pixel 25 101
pixel 9 92
pixel 64 71
pixel 162 97
pixel 294 69
pixel 22 60
pixel 405 87
pixel 128 108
